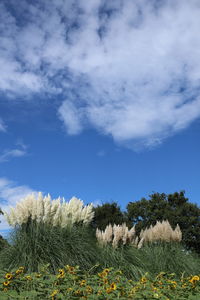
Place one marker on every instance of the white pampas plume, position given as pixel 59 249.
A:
pixel 43 209
pixel 57 216
pixel 47 209
pixel 40 207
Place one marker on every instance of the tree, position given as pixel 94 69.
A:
pixel 172 207
pixel 107 213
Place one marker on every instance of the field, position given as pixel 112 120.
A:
pixel 54 263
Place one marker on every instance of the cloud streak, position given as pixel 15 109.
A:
pixel 7 155
pixel 18 152
pixel 129 69
pixel 2 126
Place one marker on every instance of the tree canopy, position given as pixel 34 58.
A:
pixel 172 207
pixel 107 213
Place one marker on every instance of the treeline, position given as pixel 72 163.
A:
pixel 175 208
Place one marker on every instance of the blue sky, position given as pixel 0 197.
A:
pixel 99 99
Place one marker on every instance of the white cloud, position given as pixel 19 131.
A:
pixel 72 120
pixel 10 194
pixel 9 154
pixel 130 69
pixel 2 126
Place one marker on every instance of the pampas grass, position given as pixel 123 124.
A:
pixel 56 212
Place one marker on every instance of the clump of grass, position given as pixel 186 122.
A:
pixel 33 244
pixel 168 257
pixel 126 258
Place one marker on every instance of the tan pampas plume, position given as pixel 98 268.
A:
pixel 162 231
pixel 116 235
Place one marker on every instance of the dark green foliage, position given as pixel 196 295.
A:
pixel 169 257
pixel 3 242
pixel 172 207
pixel 36 244
pixel 107 213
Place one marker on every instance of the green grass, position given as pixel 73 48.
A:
pixel 33 245
pixel 37 244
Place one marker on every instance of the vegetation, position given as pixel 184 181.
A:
pixel 34 244
pixel 3 242
pixel 172 207
pixel 72 283
pixel 147 264
pixel 107 213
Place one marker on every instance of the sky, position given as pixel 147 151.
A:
pixel 99 99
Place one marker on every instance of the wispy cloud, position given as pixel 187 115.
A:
pixel 10 194
pixel 128 68
pixel 9 154
pixel 2 126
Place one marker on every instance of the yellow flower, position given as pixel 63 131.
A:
pixel 54 293
pixel 113 286
pixel 83 282
pixel 102 274
pixel 20 270
pixel 70 269
pixel 6 283
pixel 62 273
pixel 99 292
pixel 133 290
pixel 173 283
pixel 109 290
pixel 5 289
pixel 28 277
pixel 194 279
pixel 88 289
pixel 9 276
pixel 143 279
pixel 106 270
pixel 78 292
pixel 105 281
